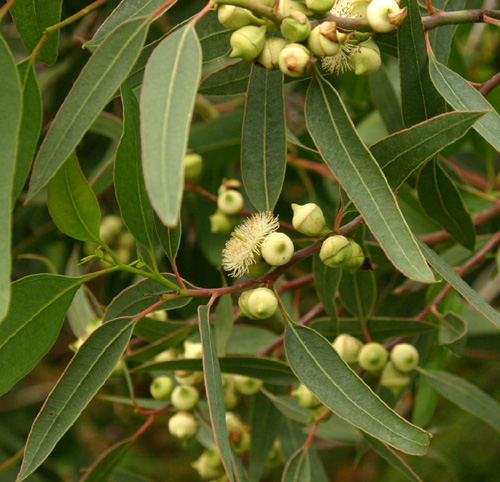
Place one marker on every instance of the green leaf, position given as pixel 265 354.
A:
pixel 154 330
pixel 31 125
pixel 10 117
pixel 167 101
pixel 170 238
pixel 108 125
pixel 420 99
pixel 319 367
pixel 224 323
pixel 130 191
pixel 213 387
pixel 97 83
pixel 37 310
pixel 358 292
pixel 466 395
pixel 442 202
pixel 86 373
pixel 327 283
pixel 263 146
pixel 402 153
pixel 453 333
pixel 214 37
pixel 228 80
pixel 360 175
pixel 462 96
pixel 297 468
pixel 447 272
pixel 72 204
pixel 32 17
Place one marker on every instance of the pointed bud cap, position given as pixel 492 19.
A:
pixel 277 249
pixel 296 27
pixel 184 397
pixel 366 59
pixel 308 219
pixel 296 60
pixel 335 251
pixel 248 42
pixel 404 357
pixel 377 14
pixel 235 17
pixel 262 303
pixel 393 379
pixel 373 357
pixel 348 347
pixel 183 425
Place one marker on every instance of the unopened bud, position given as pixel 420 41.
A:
pixel 287 7
pixel 239 434
pixel 366 59
pixel 209 465
pixel 373 357
pixel 111 227
pixel 320 6
pixel 166 355
pixel 184 397
pixel 193 165
pixel 347 347
pixel 356 260
pixel 296 27
pixel 305 397
pixel 258 269
pixel 377 14
pixel 221 223
pixel 231 396
pixel 309 220
pixel 404 357
pixel 321 44
pixel 296 60
pixel 235 17
pixel 183 425
pixel 160 315
pixel 262 303
pixel 243 304
pixel 335 251
pixel 248 42
pixel 393 379
pixel 230 202
pixel 277 249
pixel 269 57
pixel 192 349
pixel 161 388
pixel 246 385
pixel 185 377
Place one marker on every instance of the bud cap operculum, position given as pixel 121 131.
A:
pixel 335 251
pixel 309 220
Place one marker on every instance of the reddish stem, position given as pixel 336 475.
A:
pixel 161 9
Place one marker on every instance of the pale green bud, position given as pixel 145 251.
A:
pixel 230 202
pixel 275 458
pixel 248 42
pixel 221 223
pixel 359 9
pixel 235 17
pixel 193 165
pixel 166 355
pixel 305 397
pixel 183 425
pixel 192 349
pixel 161 388
pixel 309 220
pixel 393 379
pixel 286 7
pixel 209 464
pixel 262 303
pixel 373 357
pixel 231 396
pixel 366 59
pixel 267 3
pixel 246 385
pixel 239 434
pixel 269 57
pixel 92 325
pixel 335 251
pixel 296 27
pixel 404 357
pixel 186 377
pixel 277 249
pixel 325 39
pixel 243 304
pixel 111 227
pixel 356 260
pixel 320 6
pixel 295 60
pixel 347 347
pixel 184 397
pixel 160 315
pixel 258 269
pixel 384 15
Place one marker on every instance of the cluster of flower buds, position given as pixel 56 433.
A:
pixel 373 357
pixel 229 205
pixel 340 252
pixel 295 52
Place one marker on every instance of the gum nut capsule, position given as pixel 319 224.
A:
pixel 335 251
pixel 277 249
pixel 183 425
pixel 230 202
pixel 404 357
pixel 248 42
pixel 193 165
pixel 393 379
pixel 243 304
pixel 384 15
pixel 320 6
pixel 262 303
pixel 356 260
pixel 247 385
pixel 348 347
pixel 296 60
pixel 234 18
pixel 184 397
pixel 366 59
pixel 296 27
pixel 373 357
pixel 269 57
pixel 308 219
pixel 161 388
pixel 305 397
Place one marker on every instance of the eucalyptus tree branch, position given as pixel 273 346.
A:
pixel 255 7
pixel 489 85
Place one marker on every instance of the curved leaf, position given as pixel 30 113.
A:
pixel 228 80
pixel 170 238
pixel 358 292
pixel 453 333
pixel 298 469
pixel 327 283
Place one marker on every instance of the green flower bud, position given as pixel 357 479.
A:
pixel 277 249
pixel 258 269
pixel 356 260
pixel 230 202
pixel 166 355
pixel 347 347
pixel 183 425
pixel 160 315
pixel 221 223
pixel 235 17
pixel 325 39
pixel 359 9
pixel 186 377
pixel 262 303
pixel 246 385
pixel 231 396
pixel 296 27
pixel 92 325
pixel 275 458
pixel 111 227
pixel 161 388
pixel 267 3
pixel 239 433
pixel 373 357
pixel 269 57
pixel 296 60
pixel 335 251
pixel 366 59
pixel 184 397
pixel 384 15
pixel 320 6
pixel 117 370
pixel 287 7
pixel 393 379
pixel 192 349
pixel 404 357
pixel 209 464
pixel 248 42
pixel 309 220
pixel 243 304
pixel 193 165
pixel 305 397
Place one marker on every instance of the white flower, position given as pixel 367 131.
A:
pixel 243 248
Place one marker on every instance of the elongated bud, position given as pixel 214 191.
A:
pixel 305 397
pixel 184 397
pixel 161 388
pixel 296 27
pixel 246 385
pixel 248 42
pixel 356 260
pixel 404 357
pixel 269 57
pixel 347 347
pixel 209 465
pixel 193 165
pixel 221 223
pixel 393 379
pixel 378 15
pixel 277 249
pixel 325 45
pixel 262 303
pixel 235 17
pixel 373 357
pixel 296 60
pixel 183 425
pixel 335 251
pixel 308 219
pixel 366 59
pixel 230 202
pixel 320 6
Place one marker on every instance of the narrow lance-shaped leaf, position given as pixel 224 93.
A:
pixel 32 17
pixel 130 191
pixel 453 333
pixel 97 83
pixel 360 175
pixel 10 117
pixel 213 386
pixel 462 96
pixel 263 148
pixel 72 204
pixel 327 282
pixel 228 80
pixel 358 292
pixel 223 323
pixel 170 238
pixel 38 307
pixel 319 367
pixel 466 395
pixel 298 467
pixel 86 373
pixel 167 101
